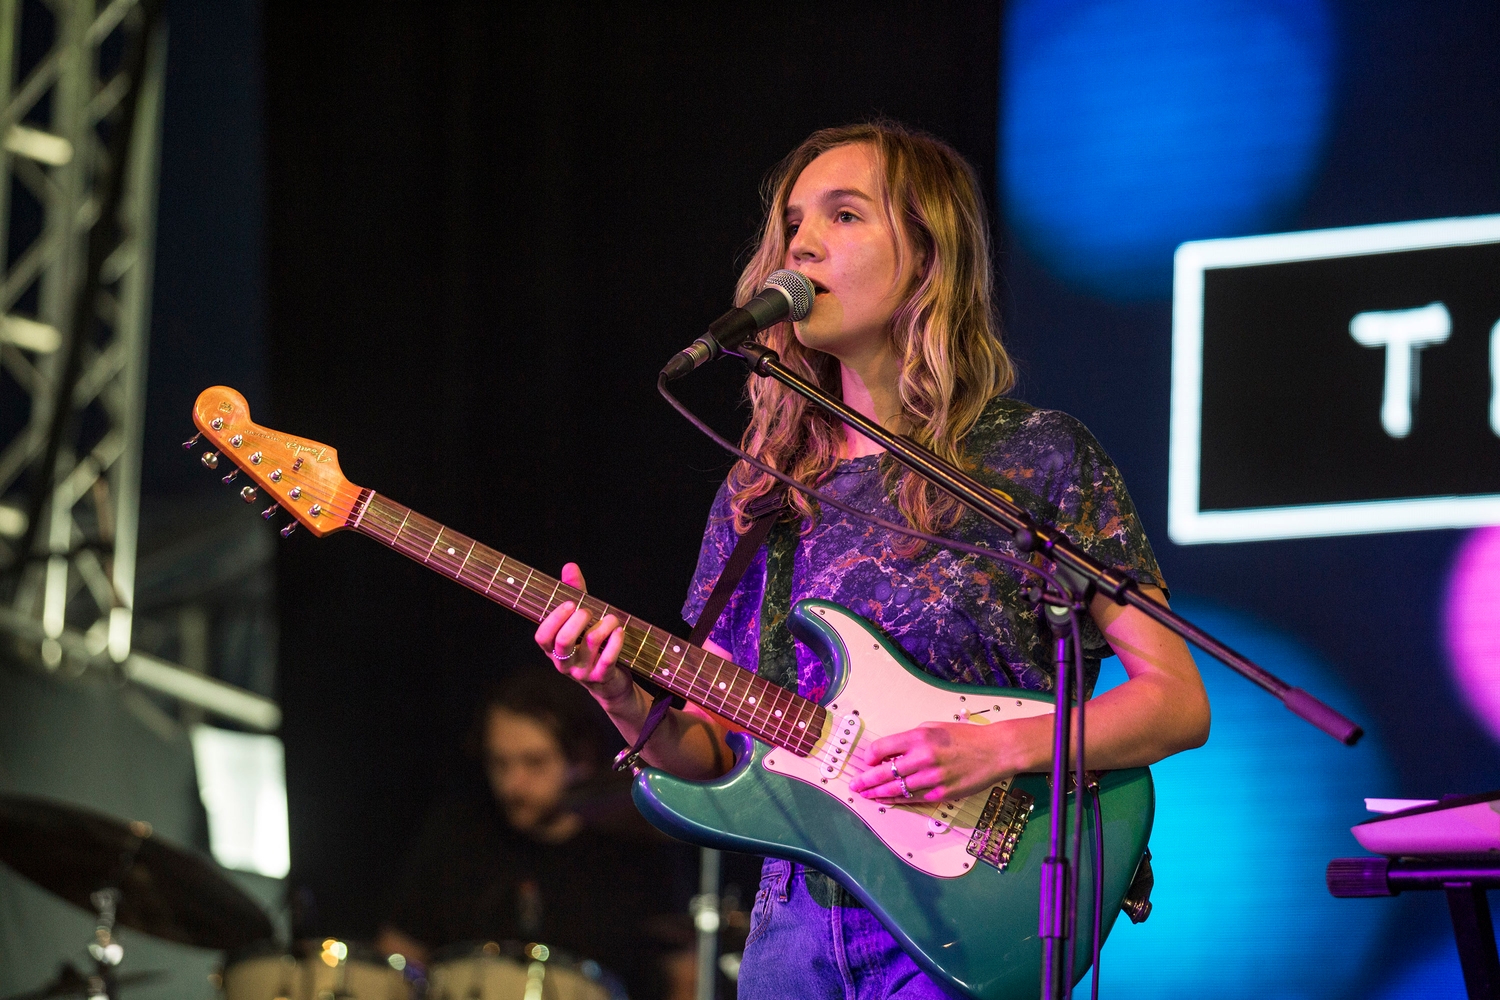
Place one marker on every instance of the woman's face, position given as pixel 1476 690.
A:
pixel 840 240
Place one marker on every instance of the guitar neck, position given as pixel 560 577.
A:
pixel 767 710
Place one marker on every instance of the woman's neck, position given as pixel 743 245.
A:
pixel 869 385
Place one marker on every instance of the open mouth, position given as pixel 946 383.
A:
pixel 818 289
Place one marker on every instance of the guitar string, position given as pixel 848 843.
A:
pixel 760 716
pixel 316 490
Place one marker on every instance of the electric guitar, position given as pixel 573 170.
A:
pixel 956 882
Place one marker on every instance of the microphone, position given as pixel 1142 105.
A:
pixel 786 295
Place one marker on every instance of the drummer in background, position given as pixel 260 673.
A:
pixel 517 863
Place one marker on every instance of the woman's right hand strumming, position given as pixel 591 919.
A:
pixel 689 742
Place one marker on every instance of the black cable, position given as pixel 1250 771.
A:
pixel 1078 793
pixel 1098 888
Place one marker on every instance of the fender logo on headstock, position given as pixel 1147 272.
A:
pixel 318 453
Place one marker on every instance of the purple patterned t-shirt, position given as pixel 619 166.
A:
pixel 958 617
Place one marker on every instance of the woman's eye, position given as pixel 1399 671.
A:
pixel 791 228
pixel 846 216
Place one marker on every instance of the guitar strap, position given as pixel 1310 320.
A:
pixel 763 513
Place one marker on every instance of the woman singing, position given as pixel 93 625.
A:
pixel 889 226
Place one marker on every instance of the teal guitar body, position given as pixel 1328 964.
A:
pixel 957 884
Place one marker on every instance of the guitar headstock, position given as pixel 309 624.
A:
pixel 300 476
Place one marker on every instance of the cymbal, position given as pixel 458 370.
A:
pixel 166 891
pixel 72 983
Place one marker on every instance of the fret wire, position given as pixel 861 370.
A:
pixel 364 524
pixel 714 686
pixel 489 587
pixel 783 724
pixel 768 701
pixel 694 683
pixel 706 658
pixel 460 573
pixel 698 672
pixel 644 647
pixel 548 605
pixel 748 689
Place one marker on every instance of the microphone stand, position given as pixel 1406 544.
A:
pixel 1081 576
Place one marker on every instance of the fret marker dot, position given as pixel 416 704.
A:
pixel 752 701
pixel 510 579
pixel 778 713
pixel 665 672
pixel 676 649
pixel 801 725
pixel 450 550
pixel 722 685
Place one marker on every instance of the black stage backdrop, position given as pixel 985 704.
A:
pixel 487 230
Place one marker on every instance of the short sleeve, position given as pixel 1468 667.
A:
pixel 718 542
pixel 1097 514
pixel 1054 467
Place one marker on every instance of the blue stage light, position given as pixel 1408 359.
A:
pixel 1244 830
pixel 1130 126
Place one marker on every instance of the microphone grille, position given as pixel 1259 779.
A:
pixel 799 290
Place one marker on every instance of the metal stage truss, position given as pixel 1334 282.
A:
pixel 81 85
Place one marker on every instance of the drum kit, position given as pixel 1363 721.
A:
pixel 129 877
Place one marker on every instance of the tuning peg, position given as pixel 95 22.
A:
pixel 210 460
pixel 289 529
pixel 270 511
pixel 230 478
pixel 190 442
pixel 248 494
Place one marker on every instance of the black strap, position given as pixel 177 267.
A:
pixel 763 512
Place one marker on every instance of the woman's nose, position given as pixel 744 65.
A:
pixel 805 244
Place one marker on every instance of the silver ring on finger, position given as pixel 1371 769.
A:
pixel 905 792
pixel 895 773
pixel 560 658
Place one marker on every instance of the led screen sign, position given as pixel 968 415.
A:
pixel 1336 382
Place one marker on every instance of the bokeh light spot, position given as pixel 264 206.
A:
pixel 1245 828
pixel 1471 621
pixel 1129 126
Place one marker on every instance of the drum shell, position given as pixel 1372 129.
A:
pixel 277 976
pixel 488 976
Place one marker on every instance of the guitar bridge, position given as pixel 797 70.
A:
pixel 1000 826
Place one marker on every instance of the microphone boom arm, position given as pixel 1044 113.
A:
pixel 1029 536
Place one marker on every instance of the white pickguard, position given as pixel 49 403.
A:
pixel 931 837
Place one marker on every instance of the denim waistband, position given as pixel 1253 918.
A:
pixel 781 876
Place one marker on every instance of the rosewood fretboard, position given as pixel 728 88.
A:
pixel 770 712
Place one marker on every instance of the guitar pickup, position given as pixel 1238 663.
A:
pixel 840 743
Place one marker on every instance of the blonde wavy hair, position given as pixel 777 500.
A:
pixel 946 332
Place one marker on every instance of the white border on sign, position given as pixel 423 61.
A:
pixel 1186 524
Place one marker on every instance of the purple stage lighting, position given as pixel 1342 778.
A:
pixel 1472 624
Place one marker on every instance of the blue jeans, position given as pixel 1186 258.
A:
pixel 799 947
